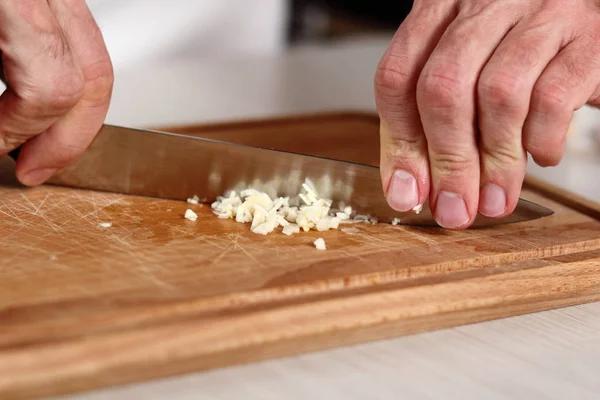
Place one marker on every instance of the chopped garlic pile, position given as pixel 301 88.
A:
pixel 266 214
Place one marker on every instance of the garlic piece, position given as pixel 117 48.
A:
pixel 189 214
pixel 290 229
pixel 320 244
pixel 193 200
pixel 324 224
pixel 265 228
pixel 342 216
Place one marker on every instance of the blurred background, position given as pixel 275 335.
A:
pixel 152 31
pixel 189 61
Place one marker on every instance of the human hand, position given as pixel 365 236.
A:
pixel 468 87
pixel 59 79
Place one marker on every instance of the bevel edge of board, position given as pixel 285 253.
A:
pixel 568 199
pixel 181 347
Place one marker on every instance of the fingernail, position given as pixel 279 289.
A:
pixel 451 210
pixel 38 176
pixel 493 201
pixel 403 194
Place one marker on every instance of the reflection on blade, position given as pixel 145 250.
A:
pixel 170 166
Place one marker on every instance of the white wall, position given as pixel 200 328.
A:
pixel 142 32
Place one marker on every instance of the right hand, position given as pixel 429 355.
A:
pixel 59 77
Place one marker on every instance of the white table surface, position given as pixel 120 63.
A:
pixel 547 355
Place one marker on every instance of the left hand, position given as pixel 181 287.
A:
pixel 468 87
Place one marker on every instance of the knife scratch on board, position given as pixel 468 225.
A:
pixel 224 251
pixel 39 208
pixel 35 211
pixel 250 256
pixel 5 209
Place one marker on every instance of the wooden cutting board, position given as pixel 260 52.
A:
pixel 154 295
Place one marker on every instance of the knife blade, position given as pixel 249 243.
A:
pixel 175 166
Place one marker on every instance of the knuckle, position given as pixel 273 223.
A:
pixel 11 141
pixel 58 94
pixel 392 87
pixel 551 97
pixel 501 90
pixel 504 154
pixel 404 148
pixel 67 90
pixel 99 81
pixel 392 74
pixel 450 164
pixel 439 88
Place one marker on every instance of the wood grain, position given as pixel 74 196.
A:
pixel 83 307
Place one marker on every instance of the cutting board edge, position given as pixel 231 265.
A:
pixel 564 197
pixel 172 356
pixel 273 296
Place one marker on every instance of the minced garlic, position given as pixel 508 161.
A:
pixel 307 212
pixel 266 214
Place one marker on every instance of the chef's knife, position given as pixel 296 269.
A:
pixel 175 166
